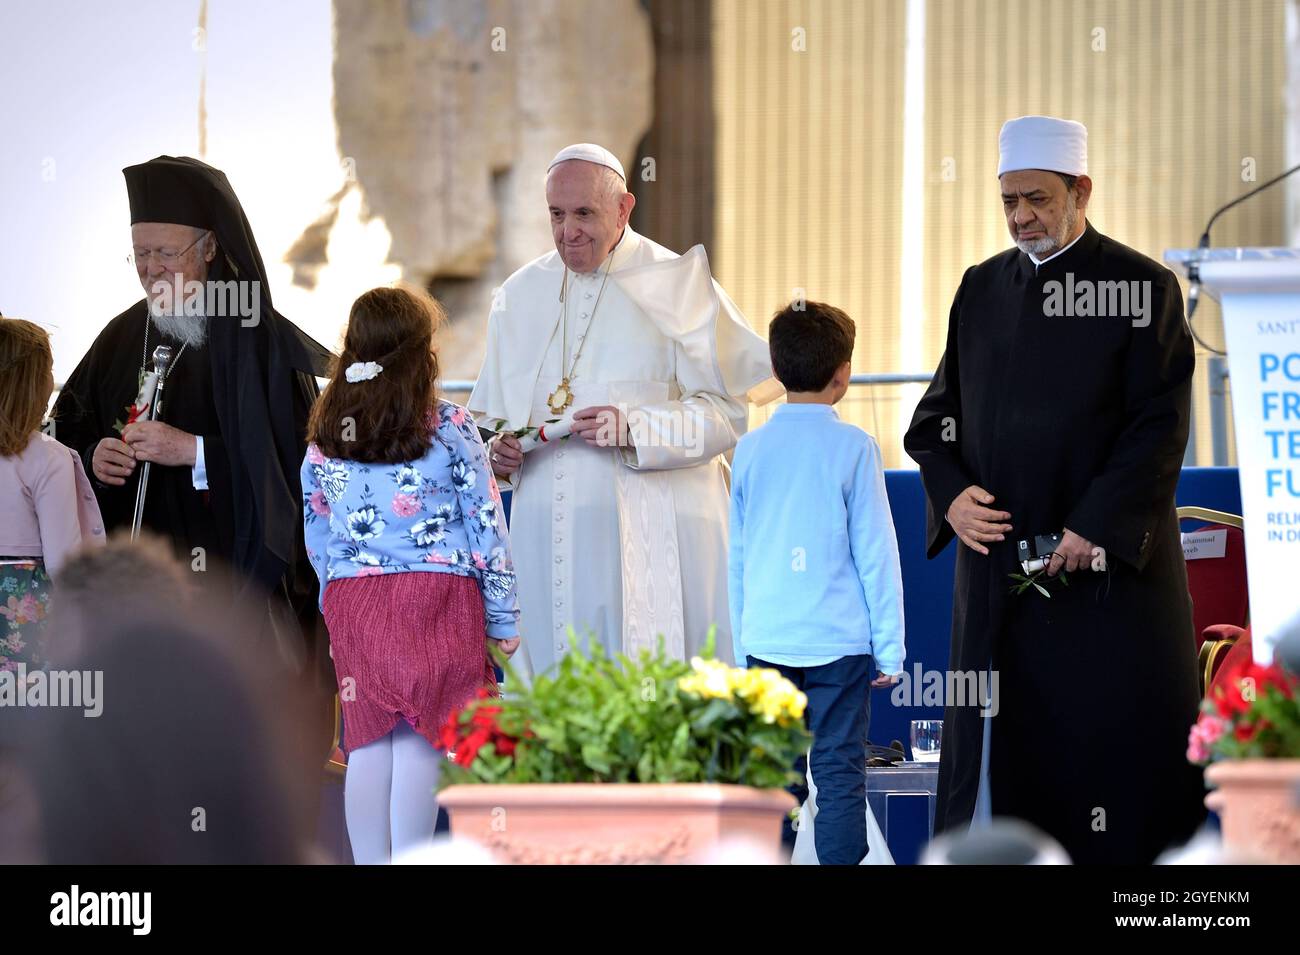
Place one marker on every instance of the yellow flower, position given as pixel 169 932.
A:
pixel 765 692
pixel 769 695
pixel 710 680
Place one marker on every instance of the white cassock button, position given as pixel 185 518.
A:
pixel 559 475
pixel 559 604
pixel 559 455
pixel 559 540
pixel 88 497
pixel 560 516
pixel 584 314
pixel 558 582
pixel 559 497
pixel 559 559
pixel 588 295
pixel 559 626
pixel 559 647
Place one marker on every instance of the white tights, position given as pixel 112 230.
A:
pixel 389 795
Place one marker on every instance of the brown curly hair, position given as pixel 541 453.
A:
pixel 385 419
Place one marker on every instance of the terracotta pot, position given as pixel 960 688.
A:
pixel 1256 800
pixel 618 823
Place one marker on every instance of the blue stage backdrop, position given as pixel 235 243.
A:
pixel 927 584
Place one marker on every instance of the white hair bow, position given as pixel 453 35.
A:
pixel 363 370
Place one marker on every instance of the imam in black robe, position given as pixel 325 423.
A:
pixel 1079 423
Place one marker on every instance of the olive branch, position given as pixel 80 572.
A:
pixel 1022 582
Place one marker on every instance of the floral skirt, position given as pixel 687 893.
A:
pixel 24 605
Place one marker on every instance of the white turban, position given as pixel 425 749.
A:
pixel 1043 142
pixel 589 152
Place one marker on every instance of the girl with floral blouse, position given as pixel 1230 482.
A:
pixel 404 527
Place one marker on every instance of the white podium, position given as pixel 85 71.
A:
pixel 1259 290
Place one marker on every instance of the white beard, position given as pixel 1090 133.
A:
pixel 1048 244
pixel 189 330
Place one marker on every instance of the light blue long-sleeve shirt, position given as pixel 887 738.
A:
pixel 813 573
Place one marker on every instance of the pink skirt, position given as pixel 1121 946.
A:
pixel 406 646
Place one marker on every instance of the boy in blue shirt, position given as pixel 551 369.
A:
pixel 814 580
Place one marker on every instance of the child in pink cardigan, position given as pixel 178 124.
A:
pixel 47 506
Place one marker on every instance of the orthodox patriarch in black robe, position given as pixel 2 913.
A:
pixel 246 392
pixel 1079 422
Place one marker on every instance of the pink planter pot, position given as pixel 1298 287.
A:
pixel 618 823
pixel 1256 801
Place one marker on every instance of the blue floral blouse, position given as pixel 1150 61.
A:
pixel 441 513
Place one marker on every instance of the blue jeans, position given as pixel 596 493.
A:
pixel 839 707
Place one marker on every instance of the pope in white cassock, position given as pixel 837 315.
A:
pixel 618 530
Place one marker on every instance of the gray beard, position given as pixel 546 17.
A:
pixel 189 330
pixel 1048 244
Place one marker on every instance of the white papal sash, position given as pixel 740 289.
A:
pixel 652 576
pixel 647 529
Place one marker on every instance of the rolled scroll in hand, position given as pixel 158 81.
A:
pixel 548 433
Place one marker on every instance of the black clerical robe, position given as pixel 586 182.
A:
pixel 225 520
pixel 93 405
pixel 1071 421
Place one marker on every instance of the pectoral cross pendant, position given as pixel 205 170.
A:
pixel 560 398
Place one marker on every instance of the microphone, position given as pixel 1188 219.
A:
pixel 1194 266
pixel 162 361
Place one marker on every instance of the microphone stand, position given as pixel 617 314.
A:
pixel 1194 266
pixel 162 359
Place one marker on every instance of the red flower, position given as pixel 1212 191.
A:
pixel 1246 731
pixel 450 732
pixel 467 751
pixel 482 729
pixel 1269 676
pixel 1230 698
pixel 1230 702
